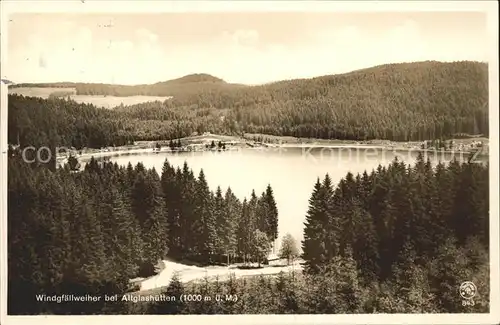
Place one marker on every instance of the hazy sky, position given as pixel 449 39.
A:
pixel 243 47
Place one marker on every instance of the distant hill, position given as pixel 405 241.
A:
pixel 191 78
pixel 188 84
pixel 405 101
pixel 194 78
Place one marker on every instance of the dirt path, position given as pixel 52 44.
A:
pixel 189 273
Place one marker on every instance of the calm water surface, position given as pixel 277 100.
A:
pixel 291 172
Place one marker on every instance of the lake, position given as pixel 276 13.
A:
pixel 292 172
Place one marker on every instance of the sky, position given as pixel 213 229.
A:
pixel 249 48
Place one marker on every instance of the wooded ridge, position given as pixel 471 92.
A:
pixel 401 102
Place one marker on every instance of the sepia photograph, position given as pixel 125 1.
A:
pixel 224 160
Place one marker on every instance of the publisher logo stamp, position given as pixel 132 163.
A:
pixel 468 291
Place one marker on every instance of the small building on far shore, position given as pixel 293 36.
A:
pixel 273 259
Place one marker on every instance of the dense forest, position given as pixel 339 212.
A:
pixel 401 102
pixel 399 239
pixel 93 231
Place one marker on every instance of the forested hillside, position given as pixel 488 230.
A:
pixel 57 122
pixel 408 101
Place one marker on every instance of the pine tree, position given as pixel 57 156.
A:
pixel 330 221
pixel 149 208
pixel 130 175
pixel 340 231
pixel 312 231
pixel 398 216
pixel 366 187
pixel 223 228
pixel 174 307
pixel 243 233
pixel 204 225
pixel 365 247
pixel 253 212
pixel 272 214
pixel 262 211
pixel 171 192
pixel 232 214
pixel 426 220
pixel 188 204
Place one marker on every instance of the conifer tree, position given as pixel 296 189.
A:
pixel 187 189
pixel 365 247
pixel 253 212
pixel 222 224
pixel 175 307
pixel 262 211
pixel 313 228
pixel 204 226
pixel 330 220
pixel 232 214
pixel 172 196
pixel 148 206
pixel 243 234
pixel 272 214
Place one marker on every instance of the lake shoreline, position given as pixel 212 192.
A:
pixel 238 143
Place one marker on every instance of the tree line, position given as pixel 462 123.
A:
pixel 219 225
pixel 91 232
pixel 400 102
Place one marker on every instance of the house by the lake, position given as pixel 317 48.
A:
pixel 273 259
